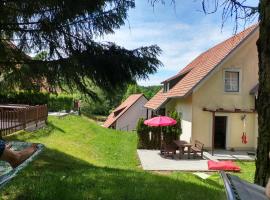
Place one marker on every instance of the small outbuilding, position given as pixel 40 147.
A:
pixel 126 115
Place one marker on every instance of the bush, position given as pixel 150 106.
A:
pixel 31 98
pixel 91 107
pixel 55 103
pixel 144 132
pixel 170 133
pixel 60 102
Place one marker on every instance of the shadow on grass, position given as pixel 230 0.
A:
pixel 211 182
pixel 43 132
pixel 56 175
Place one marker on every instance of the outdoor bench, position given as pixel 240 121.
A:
pixel 197 148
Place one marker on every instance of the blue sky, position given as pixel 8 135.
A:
pixel 182 31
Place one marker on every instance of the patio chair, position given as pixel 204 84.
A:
pixel 168 149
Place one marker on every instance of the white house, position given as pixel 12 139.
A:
pixel 126 115
pixel 216 94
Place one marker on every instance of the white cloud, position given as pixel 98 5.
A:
pixel 180 42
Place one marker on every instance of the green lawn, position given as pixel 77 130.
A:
pixel 85 161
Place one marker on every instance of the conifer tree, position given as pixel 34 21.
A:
pixel 67 30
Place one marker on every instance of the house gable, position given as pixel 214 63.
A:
pixel 203 65
pixel 194 74
pixel 128 120
pixel 210 94
pixel 121 109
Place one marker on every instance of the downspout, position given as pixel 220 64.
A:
pixel 213 132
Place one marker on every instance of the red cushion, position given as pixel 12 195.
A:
pixel 223 165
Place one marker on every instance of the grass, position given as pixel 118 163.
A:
pixel 85 161
pixel 247 171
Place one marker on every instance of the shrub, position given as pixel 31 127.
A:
pixel 31 98
pixel 143 134
pixel 55 103
pixel 91 107
pixel 171 133
pixel 60 102
pixel 155 141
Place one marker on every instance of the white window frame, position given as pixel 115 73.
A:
pixel 239 81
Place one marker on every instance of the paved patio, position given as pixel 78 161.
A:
pixel 229 155
pixel 152 160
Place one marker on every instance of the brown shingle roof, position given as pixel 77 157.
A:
pixel 157 100
pixel 121 109
pixel 200 67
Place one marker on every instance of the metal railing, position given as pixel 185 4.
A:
pixel 17 117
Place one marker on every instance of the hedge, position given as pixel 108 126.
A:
pixel 150 137
pixel 60 102
pixel 31 98
pixel 54 102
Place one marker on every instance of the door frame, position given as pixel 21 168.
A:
pixel 227 135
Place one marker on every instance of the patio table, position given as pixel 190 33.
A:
pixel 181 144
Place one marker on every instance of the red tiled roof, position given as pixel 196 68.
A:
pixel 206 62
pixel 200 67
pixel 157 100
pixel 121 109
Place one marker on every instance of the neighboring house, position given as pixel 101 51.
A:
pixel 126 116
pixel 216 94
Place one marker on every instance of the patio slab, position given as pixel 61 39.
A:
pixel 152 161
pixel 229 155
pixel 58 114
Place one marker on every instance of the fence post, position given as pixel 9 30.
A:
pixel 37 118
pixel 24 119
pixel 1 124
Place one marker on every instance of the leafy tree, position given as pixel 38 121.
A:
pixel 67 30
pixel 132 89
pixel 104 105
pixel 148 91
pixel 107 102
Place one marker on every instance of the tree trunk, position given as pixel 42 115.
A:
pixel 263 44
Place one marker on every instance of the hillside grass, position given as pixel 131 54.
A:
pixel 85 161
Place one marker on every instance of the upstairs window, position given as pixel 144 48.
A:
pixel 166 87
pixel 232 81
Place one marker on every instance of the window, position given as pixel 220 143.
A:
pixel 232 81
pixel 166 87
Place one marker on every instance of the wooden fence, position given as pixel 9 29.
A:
pixel 14 118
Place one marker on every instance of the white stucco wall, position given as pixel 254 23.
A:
pixel 129 119
pixel 183 106
pixel 197 124
pixel 211 95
